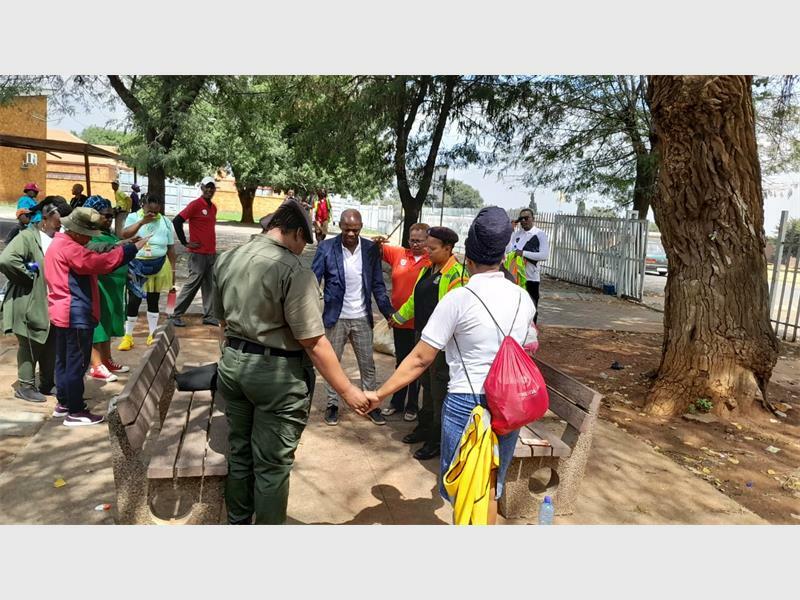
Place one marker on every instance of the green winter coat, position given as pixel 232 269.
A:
pixel 25 305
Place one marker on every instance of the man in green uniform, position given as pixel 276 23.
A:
pixel 270 311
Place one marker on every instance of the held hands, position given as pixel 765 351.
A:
pixel 356 400
pixel 374 401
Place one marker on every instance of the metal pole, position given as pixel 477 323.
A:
pixel 444 185
pixel 86 167
pixel 777 261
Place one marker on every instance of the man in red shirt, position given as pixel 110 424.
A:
pixel 406 265
pixel 201 214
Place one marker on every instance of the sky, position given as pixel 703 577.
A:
pixel 782 192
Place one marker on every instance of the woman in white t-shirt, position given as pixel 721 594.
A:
pixel 465 329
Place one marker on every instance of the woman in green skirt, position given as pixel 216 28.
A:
pixel 112 299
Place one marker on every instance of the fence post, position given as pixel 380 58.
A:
pixel 777 263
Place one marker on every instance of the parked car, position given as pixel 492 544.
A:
pixel 656 259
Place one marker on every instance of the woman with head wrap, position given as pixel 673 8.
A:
pixel 465 329
pixel 24 307
pixel 154 265
pixel 443 275
pixel 112 298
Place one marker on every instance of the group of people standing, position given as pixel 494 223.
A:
pixel 77 280
pixel 445 340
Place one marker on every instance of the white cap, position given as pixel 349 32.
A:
pixel 207 180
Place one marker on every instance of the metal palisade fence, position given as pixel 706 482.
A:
pixel 784 284
pixel 600 252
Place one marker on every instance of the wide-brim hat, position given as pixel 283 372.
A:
pixel 294 205
pixel 86 221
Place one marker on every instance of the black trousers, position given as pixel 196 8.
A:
pixel 404 341
pixel 434 389
pixel 73 355
pixel 134 302
pixel 533 292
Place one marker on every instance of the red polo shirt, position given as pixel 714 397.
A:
pixel 202 218
pixel 405 270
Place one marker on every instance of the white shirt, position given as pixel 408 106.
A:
pixel 461 316
pixel 519 238
pixel 354 306
pixel 46 241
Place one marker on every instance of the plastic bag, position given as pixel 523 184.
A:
pixel 382 338
pixel 515 389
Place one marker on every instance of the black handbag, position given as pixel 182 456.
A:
pixel 150 266
pixel 196 379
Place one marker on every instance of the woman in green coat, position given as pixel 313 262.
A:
pixel 25 304
pixel 112 299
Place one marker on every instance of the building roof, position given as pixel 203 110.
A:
pixel 76 148
pixel 61 135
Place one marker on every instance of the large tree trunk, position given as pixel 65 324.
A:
pixel 645 183
pixel 718 343
pixel 246 197
pixel 410 217
pixel 156 182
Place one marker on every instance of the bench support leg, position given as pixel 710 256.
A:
pixel 186 500
pixel 572 469
pixel 130 474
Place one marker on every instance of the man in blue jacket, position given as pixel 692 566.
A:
pixel 351 268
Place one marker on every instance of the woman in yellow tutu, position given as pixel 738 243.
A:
pixel 156 262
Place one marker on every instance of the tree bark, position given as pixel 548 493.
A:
pixel 718 342
pixel 645 183
pixel 156 182
pixel 246 197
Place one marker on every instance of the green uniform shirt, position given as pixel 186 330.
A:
pixel 265 295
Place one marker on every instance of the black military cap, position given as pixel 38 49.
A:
pixel 282 213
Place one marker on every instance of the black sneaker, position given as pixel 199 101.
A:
pixel 29 394
pixel 413 437
pixel 332 415
pixel 427 451
pixel 60 410
pixel 52 391
pixel 178 322
pixel 211 321
pixel 376 417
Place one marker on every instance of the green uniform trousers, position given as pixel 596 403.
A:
pixel 434 389
pixel 28 354
pixel 268 399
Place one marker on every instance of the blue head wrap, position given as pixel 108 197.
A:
pixel 97 202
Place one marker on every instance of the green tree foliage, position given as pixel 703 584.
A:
pixel 104 136
pixel 462 195
pixel 586 134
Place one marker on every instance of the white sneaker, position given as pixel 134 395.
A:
pixel 102 373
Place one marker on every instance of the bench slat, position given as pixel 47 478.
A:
pixel 216 462
pixel 193 448
pixel 136 432
pixel 559 448
pixel 571 413
pixel 165 451
pixel 140 382
pixel 571 388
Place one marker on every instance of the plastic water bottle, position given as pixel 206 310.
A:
pixel 546 511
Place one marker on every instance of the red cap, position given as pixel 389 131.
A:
pixel 31 186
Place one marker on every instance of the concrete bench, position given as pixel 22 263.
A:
pixel 131 416
pixel 551 454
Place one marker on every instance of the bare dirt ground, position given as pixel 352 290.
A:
pixel 726 454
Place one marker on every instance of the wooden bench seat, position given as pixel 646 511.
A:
pixel 551 454
pixel 189 462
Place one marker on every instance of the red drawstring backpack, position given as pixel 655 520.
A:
pixel 516 393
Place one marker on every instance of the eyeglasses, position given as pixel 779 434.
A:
pixel 527 218
pixel 410 241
